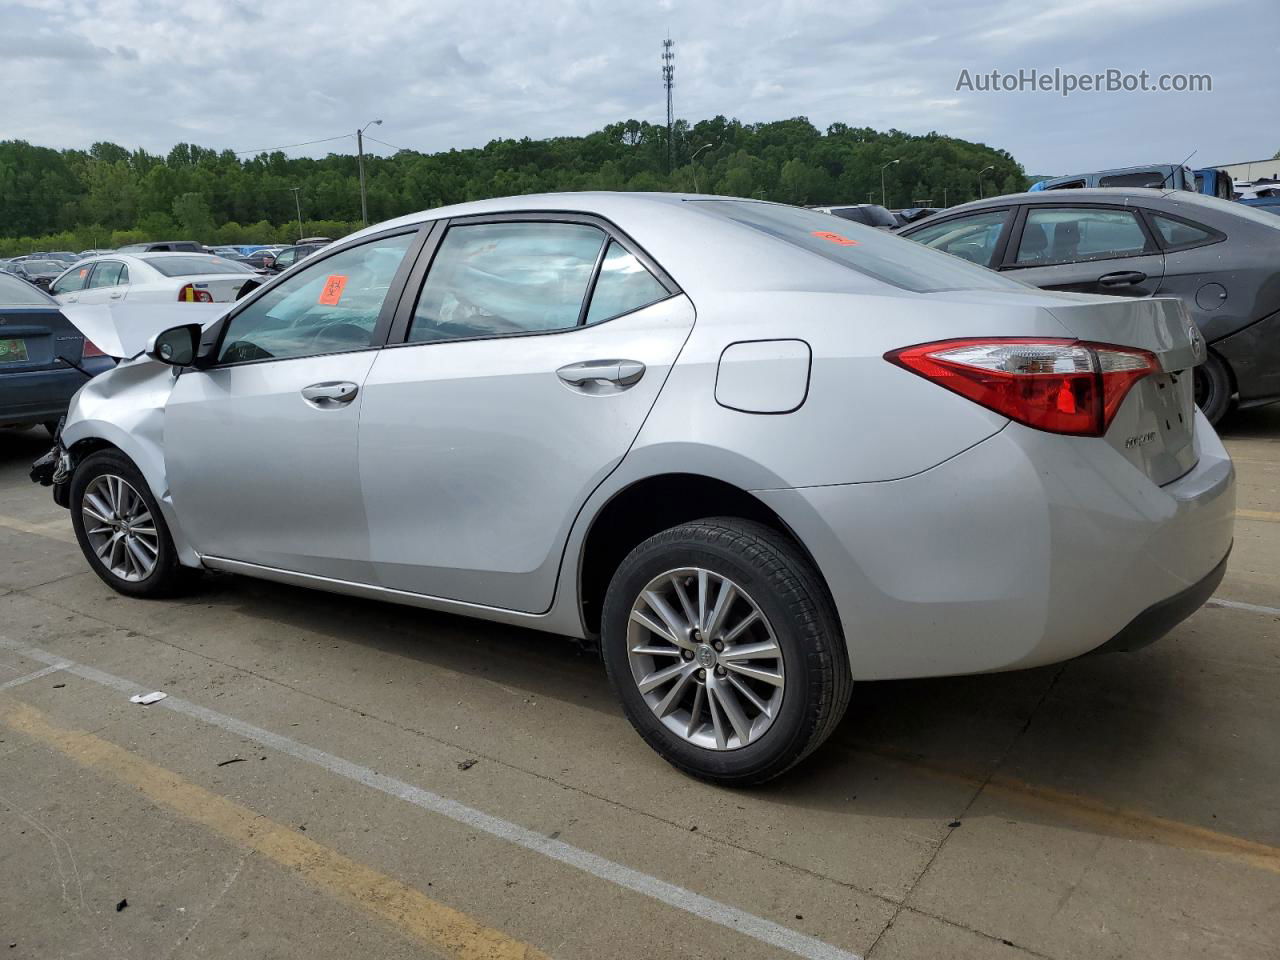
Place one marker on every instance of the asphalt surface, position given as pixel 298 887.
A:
pixel 333 778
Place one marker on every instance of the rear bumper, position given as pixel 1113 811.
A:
pixel 1254 357
pixel 1161 617
pixel 1024 550
pixel 38 395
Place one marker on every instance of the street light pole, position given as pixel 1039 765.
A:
pixel 705 146
pixel 990 166
pixel 298 205
pixel 882 169
pixel 364 203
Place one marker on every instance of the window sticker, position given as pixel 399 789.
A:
pixel 839 238
pixel 84 273
pixel 331 293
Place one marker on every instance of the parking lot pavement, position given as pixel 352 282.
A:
pixel 307 789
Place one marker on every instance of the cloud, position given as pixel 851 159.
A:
pixel 458 73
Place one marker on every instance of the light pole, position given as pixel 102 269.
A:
pixel 990 166
pixel 705 146
pixel 882 169
pixel 298 205
pixel 364 203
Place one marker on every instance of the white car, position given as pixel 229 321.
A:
pixel 153 278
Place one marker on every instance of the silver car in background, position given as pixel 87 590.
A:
pixel 756 452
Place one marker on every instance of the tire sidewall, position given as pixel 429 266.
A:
pixel 1213 373
pixel 160 579
pixel 791 729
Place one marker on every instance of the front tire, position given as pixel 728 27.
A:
pixel 724 648
pixel 1213 388
pixel 120 528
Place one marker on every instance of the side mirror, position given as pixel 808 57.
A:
pixel 176 346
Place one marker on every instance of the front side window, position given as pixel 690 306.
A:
pixel 492 279
pixel 624 285
pixel 73 280
pixel 1063 235
pixel 972 238
pixel 331 306
pixel 108 273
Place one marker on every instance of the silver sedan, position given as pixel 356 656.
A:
pixel 755 452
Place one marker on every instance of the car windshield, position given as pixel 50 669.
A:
pixel 194 265
pixel 19 293
pixel 43 266
pixel 875 253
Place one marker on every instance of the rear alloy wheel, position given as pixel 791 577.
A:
pixel 1213 391
pixel 120 529
pixel 722 644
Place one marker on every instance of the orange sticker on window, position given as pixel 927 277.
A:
pixel 839 238
pixel 84 273
pixel 332 292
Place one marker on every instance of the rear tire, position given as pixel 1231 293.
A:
pixel 1213 388
pixel 779 685
pixel 121 530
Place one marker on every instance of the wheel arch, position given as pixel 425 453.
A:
pixel 649 505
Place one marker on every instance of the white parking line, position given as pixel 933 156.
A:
pixel 42 672
pixel 1238 605
pixel 748 924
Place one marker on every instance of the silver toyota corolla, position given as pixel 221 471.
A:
pixel 758 452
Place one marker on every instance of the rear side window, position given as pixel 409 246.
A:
pixel 624 285
pixel 194 266
pixel 1064 235
pixel 972 238
pixel 109 273
pixel 493 279
pixel 1177 233
pixel 874 253
pixel 330 306
pixel 1143 178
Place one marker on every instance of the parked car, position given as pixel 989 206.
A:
pixel 1218 257
pixel 286 258
pixel 155 278
pixel 1266 204
pixel 164 246
pixel 1215 183
pixel 262 259
pixel 37 272
pixel 85 254
pixel 35 384
pixel 544 436
pixel 1156 176
pixel 869 214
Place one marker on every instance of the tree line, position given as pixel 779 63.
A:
pixel 108 195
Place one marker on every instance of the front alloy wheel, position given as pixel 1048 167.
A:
pixel 705 659
pixel 120 528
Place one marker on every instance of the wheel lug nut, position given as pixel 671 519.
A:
pixel 687 654
pixel 719 671
pixel 702 674
pixel 718 645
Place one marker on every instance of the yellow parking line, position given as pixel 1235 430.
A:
pixel 446 931
pixel 59 529
pixel 1268 515
pixel 1117 821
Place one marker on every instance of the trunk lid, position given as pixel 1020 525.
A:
pixel 1155 426
pixel 32 338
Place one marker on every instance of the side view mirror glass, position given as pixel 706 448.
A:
pixel 175 346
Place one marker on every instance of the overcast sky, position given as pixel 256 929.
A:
pixel 245 74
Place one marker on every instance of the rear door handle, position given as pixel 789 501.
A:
pixel 618 373
pixel 330 394
pixel 1125 278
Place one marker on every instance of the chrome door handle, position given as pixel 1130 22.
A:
pixel 116 296
pixel 332 393
pixel 618 373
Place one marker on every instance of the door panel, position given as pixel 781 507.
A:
pixel 476 455
pixel 262 475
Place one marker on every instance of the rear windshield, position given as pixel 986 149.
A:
pixel 194 266
pixel 1146 178
pixel 43 266
pixel 875 253
pixel 19 293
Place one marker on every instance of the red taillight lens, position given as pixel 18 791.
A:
pixel 1063 386
pixel 189 294
pixel 91 349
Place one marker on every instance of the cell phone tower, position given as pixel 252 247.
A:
pixel 669 81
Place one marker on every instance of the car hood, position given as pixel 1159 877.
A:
pixel 121 330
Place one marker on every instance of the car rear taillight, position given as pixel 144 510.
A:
pixel 91 349
pixel 1063 386
pixel 191 294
